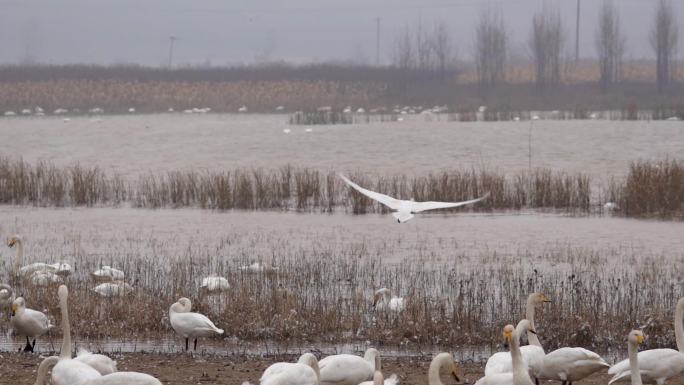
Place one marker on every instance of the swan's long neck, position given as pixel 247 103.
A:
pixel 19 256
pixel 679 324
pixel 43 369
pixel 373 359
pixel 634 363
pixel 529 315
pixel 520 373
pixel 66 329
pixel 433 372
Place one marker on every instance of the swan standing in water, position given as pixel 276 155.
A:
pixel 657 365
pixel 442 361
pixel 39 273
pixel 533 354
pixel 304 372
pixel 520 374
pixel 28 322
pixel 69 371
pixel 384 300
pixel 190 325
pixel 349 369
pixel 404 210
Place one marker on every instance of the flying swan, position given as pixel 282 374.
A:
pixel 190 325
pixel 657 365
pixel 403 209
pixel 532 354
pixel 304 372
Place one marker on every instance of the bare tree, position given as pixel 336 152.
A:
pixel 610 45
pixel 490 48
pixel 423 47
pixel 546 43
pixel 403 55
pixel 664 36
pixel 442 47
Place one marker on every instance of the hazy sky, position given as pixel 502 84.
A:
pixel 239 31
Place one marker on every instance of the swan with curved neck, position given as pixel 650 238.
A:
pixel 519 374
pixel 533 354
pixel 190 325
pixel 69 371
pixel 348 369
pixel 657 365
pixel 384 300
pixel 43 368
pixel 304 372
pixel 439 362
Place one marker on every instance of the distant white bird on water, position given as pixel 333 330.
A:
pixel 404 209
pixel 287 131
pixel 242 109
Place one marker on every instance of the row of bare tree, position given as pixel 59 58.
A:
pixel 432 49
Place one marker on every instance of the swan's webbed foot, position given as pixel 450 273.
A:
pixel 29 348
pixel 195 348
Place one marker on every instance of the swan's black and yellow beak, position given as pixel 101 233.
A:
pixel 531 331
pixel 14 309
pixel 546 299
pixel 11 242
pixel 456 374
pixel 640 339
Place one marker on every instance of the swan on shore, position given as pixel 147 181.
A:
pixel 304 372
pixel 439 362
pixel 349 369
pixel 28 322
pixel 190 325
pixel 520 374
pixel 657 365
pixel 103 364
pixel 404 209
pixel 532 354
pixel 571 364
pixel 384 300
pixel 69 371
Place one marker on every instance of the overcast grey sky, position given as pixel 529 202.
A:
pixel 238 31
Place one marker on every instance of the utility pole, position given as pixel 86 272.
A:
pixel 577 30
pixel 377 41
pixel 172 39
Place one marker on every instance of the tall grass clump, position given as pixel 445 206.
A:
pixel 654 189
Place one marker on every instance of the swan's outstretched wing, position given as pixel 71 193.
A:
pixel 386 200
pixel 417 207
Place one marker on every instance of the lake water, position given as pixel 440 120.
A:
pixel 136 144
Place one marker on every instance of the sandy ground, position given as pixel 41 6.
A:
pixel 19 369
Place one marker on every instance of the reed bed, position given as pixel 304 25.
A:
pixel 324 293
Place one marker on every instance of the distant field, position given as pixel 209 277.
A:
pixel 262 89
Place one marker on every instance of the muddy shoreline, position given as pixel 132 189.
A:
pixel 176 369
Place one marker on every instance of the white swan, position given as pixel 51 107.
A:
pixel 103 364
pixel 349 369
pixel 45 269
pixel 122 378
pixel 107 273
pixel 113 289
pixel 657 365
pixel 6 298
pixel 190 325
pixel 257 267
pixel 404 210
pixel 533 354
pixel 384 300
pixel 69 371
pixel 442 361
pixel 520 374
pixel 28 322
pixel 571 364
pixel 379 379
pixel 43 368
pixel 634 339
pixel 304 372
pixel 213 284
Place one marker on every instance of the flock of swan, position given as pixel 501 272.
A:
pixel 519 366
